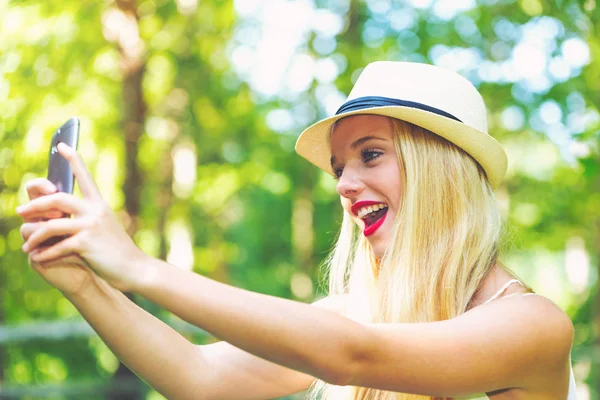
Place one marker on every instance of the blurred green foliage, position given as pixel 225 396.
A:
pixel 227 87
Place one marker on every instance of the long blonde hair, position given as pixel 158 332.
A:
pixel 445 240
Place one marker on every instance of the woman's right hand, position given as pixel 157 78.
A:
pixel 69 274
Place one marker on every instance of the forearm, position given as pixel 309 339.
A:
pixel 150 348
pixel 293 334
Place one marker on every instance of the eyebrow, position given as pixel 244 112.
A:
pixel 357 143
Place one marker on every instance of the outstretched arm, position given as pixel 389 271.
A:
pixel 517 342
pixel 511 343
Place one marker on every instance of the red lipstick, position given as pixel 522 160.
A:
pixel 369 229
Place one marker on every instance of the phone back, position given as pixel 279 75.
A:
pixel 59 170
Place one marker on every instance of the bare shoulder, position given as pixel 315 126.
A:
pixel 541 329
pixel 536 311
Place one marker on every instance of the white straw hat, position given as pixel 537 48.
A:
pixel 431 97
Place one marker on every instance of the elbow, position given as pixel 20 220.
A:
pixel 344 374
pixel 337 376
pixel 346 369
pixel 197 380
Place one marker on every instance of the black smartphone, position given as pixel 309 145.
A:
pixel 59 170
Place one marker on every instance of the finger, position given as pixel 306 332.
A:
pixel 61 249
pixel 39 187
pixel 44 216
pixel 82 174
pixel 63 202
pixel 35 265
pixel 72 259
pixel 43 231
pixel 27 229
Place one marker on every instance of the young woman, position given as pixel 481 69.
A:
pixel 420 306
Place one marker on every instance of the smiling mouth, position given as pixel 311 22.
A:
pixel 374 220
pixel 370 218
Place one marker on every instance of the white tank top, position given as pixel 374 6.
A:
pixel 572 395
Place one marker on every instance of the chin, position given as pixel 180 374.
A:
pixel 378 247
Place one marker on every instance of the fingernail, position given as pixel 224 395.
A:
pixel 20 209
pixel 25 248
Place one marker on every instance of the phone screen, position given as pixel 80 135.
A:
pixel 59 170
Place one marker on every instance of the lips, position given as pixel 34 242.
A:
pixel 370 226
pixel 370 229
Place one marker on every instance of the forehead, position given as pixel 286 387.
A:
pixel 347 130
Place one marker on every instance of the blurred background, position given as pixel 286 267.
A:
pixel 190 110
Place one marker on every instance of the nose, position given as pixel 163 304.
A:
pixel 349 184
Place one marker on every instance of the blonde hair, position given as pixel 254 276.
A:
pixel 445 240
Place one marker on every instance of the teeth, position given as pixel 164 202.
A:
pixel 369 209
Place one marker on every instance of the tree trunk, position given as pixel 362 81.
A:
pixel 134 115
pixel 165 199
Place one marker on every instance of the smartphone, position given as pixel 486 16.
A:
pixel 59 170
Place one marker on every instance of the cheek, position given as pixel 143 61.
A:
pixel 391 186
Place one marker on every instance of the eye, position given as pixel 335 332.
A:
pixel 337 173
pixel 370 154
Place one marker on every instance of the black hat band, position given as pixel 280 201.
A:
pixel 377 101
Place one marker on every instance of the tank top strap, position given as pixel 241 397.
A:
pixel 502 289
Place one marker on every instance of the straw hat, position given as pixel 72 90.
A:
pixel 431 97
